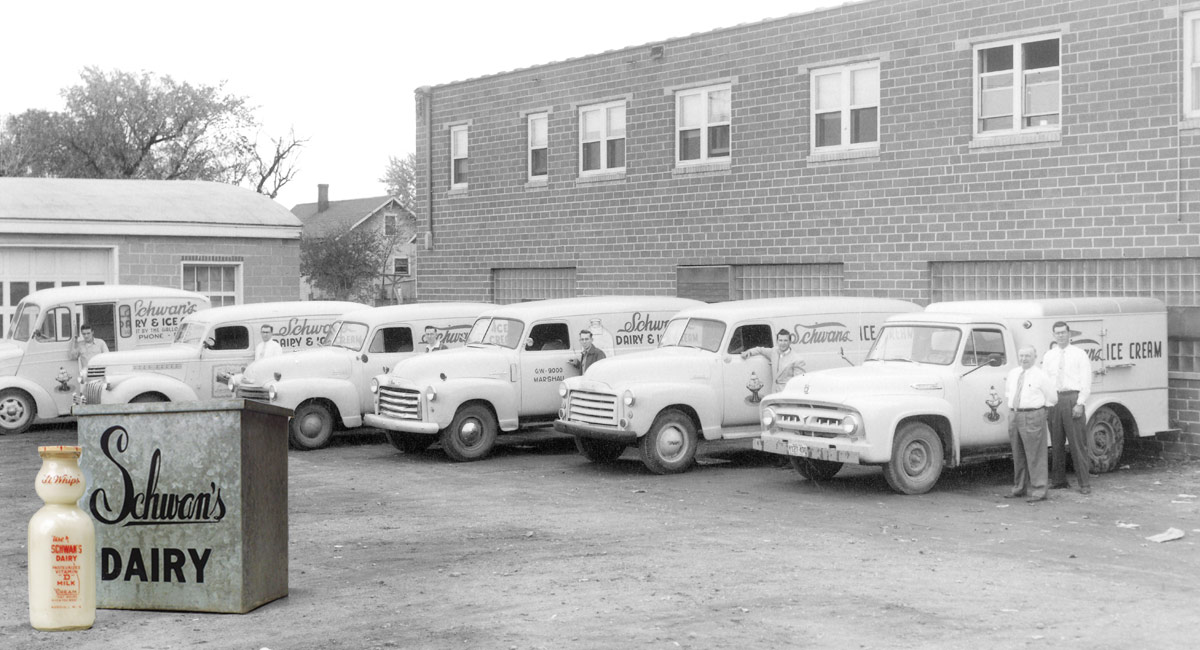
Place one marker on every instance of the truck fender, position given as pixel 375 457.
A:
pixel 46 407
pixel 453 393
pixel 882 417
pixel 344 395
pixel 653 398
pixel 124 389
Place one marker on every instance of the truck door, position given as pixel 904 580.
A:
pixel 387 347
pixel 544 355
pixel 227 352
pixel 982 411
pixel 47 361
pixel 744 382
pixel 102 318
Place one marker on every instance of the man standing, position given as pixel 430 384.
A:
pixel 86 346
pixel 1030 392
pixel 433 340
pixel 267 347
pixel 589 355
pixel 785 362
pixel 1071 371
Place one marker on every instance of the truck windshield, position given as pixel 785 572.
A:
pixel 916 343
pixel 693 333
pixel 348 335
pixel 23 321
pixel 191 333
pixel 505 332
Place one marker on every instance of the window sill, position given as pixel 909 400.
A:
pixel 710 167
pixel 601 178
pixel 457 191
pixel 1190 123
pixel 843 154
pixel 539 184
pixel 1183 376
pixel 1014 139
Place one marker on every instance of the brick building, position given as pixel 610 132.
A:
pixel 919 149
pixel 227 242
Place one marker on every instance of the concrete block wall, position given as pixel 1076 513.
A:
pixel 270 267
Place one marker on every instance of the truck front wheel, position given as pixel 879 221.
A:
pixel 815 470
pixel 916 460
pixel 1105 436
pixel 311 427
pixel 599 451
pixel 670 445
pixel 471 434
pixel 17 411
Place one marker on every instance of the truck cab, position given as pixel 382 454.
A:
pixel 931 393
pixel 39 379
pixel 507 375
pixel 329 387
pixel 210 350
pixel 699 385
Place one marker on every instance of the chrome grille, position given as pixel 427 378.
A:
pixel 92 391
pixel 592 408
pixel 95 372
pixel 809 421
pixel 399 403
pixel 256 393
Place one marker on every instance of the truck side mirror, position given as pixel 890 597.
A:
pixel 209 343
pixel 995 361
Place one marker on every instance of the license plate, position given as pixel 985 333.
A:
pixel 822 453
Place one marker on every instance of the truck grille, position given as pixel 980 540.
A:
pixel 256 393
pixel 95 372
pixel 399 403
pixel 593 408
pixel 92 390
pixel 811 422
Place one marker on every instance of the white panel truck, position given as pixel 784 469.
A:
pixel 931 392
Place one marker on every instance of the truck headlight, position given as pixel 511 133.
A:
pixel 374 385
pixel 851 424
pixel 562 390
pixel 430 393
pixel 628 398
pixel 271 394
pixel 768 417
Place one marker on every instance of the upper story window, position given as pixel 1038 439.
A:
pixel 702 119
pixel 458 156
pixel 602 137
pixel 845 106
pixel 1017 86
pixel 1191 63
pixel 539 147
pixel 390 225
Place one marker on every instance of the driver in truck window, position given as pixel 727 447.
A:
pixel 785 362
pixel 87 346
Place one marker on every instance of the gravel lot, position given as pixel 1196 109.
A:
pixel 537 548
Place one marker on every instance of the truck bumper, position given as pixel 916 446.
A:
pixel 792 445
pixel 406 426
pixel 598 433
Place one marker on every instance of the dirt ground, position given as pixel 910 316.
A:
pixel 537 548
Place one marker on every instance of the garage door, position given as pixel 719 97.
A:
pixel 24 270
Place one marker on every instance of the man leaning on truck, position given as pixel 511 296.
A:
pixel 1030 392
pixel 1071 371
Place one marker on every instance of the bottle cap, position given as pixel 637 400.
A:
pixel 60 451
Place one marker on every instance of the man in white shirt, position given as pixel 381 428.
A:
pixel 87 346
pixel 785 361
pixel 267 347
pixel 1071 371
pixel 1029 392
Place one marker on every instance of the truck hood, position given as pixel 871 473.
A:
pixel 320 362
pixel 672 364
pixel 459 363
pixel 119 362
pixel 871 380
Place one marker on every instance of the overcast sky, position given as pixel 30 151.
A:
pixel 342 74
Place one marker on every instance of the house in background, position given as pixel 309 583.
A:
pixel 386 214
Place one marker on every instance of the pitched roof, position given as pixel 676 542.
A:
pixel 340 214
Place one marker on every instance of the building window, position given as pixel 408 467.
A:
pixel 845 106
pixel 389 225
pixel 221 283
pixel 1017 86
pixel 400 266
pixel 702 119
pixel 539 147
pixel 602 138
pixel 458 156
pixel 522 285
pixel 1191 73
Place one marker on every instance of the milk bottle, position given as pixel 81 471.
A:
pixel 62 547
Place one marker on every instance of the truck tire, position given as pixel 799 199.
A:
pixel 670 445
pixel 602 452
pixel 471 434
pixel 815 470
pixel 311 427
pixel 1105 437
pixel 409 443
pixel 17 411
pixel 916 460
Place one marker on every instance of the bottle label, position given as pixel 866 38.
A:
pixel 64 562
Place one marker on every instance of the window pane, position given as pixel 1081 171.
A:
pixel 1196 86
pixel 718 106
pixel 593 129
pixel 537 132
pixel 460 143
pixel 227 278
pixel 718 141
pixel 537 162
pixel 1195 41
pixel 689 111
pixel 44 285
pixel 829 129
pixel 865 86
pixel 864 125
pixel 1041 54
pixel 591 156
pixel 460 171
pixel 829 92
pixel 1041 92
pixel 689 144
pixel 996 123
pixel 616 153
pixel 17 292
pixel 995 59
pixel 616 122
